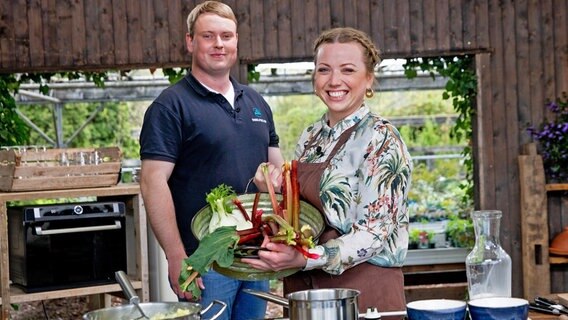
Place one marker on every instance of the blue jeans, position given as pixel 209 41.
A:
pixel 240 305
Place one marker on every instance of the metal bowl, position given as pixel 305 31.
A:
pixel 308 215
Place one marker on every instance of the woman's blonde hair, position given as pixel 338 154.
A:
pixel 214 7
pixel 346 35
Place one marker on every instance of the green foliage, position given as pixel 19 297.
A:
pixel 112 126
pixel 174 75
pixel 291 115
pixel 461 88
pixel 13 131
pixel 460 232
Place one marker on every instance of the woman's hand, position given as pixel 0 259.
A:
pixel 277 257
pixel 275 177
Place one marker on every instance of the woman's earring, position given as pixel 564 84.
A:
pixel 369 93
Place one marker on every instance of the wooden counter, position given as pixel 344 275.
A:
pixel 137 245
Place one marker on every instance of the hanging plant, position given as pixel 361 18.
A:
pixel 462 89
pixel 13 131
pixel 552 137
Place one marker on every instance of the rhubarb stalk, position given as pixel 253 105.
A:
pixel 271 191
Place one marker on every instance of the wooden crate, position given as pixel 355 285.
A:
pixel 44 169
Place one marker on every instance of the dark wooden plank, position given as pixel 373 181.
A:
pixel 49 18
pixel 147 22
pixel 298 27
pixel 35 33
pixel 337 13
pixel 378 34
pixel 134 36
pixel 65 33
pixel 456 25
pixel 162 32
pixel 482 24
pixel 106 37
pixel 560 44
pixel 93 47
pixel 177 28
pixel 522 54
pixel 535 70
pixel 363 12
pixel 7 55
pixel 469 30
pixel 284 28
pixel 324 15
pixel 403 14
pixel 257 39
pixel 443 25
pixel 270 17
pixel 390 22
pixel 79 32
pixel 311 30
pixel 429 22
pixel 547 42
pixel 21 34
pixel 120 31
pixel 244 28
pixel 416 27
pixel 484 126
pixel 350 13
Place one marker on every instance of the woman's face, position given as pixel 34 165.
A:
pixel 341 79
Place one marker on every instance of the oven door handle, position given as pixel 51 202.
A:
pixel 40 232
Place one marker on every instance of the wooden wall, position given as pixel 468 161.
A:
pixel 521 49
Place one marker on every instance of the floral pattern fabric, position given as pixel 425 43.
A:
pixel 364 191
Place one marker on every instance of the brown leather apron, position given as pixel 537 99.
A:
pixel 380 287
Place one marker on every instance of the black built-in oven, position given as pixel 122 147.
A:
pixel 66 245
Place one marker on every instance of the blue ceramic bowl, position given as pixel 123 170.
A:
pixel 499 308
pixel 436 309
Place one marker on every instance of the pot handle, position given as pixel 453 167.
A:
pixel 268 297
pixel 126 287
pixel 219 313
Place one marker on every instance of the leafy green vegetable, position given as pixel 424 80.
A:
pixel 220 199
pixel 218 246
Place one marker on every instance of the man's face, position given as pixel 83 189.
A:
pixel 213 45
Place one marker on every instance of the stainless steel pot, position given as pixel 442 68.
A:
pixel 332 304
pixel 150 310
pixel 340 304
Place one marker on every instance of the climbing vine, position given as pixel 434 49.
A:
pixel 13 130
pixel 461 88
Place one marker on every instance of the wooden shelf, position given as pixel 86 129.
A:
pixel 18 296
pixel 136 240
pixel 557 187
pixel 558 260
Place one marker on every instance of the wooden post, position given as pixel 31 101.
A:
pixel 534 224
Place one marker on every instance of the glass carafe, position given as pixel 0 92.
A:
pixel 488 266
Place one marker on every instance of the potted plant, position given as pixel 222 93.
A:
pixel 460 232
pixel 552 137
pixel 420 239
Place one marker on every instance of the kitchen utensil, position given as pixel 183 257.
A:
pixel 498 308
pixel 129 292
pixel 551 304
pixel 320 304
pixel 153 310
pixel 436 309
pixel 308 215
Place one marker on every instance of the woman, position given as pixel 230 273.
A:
pixel 354 167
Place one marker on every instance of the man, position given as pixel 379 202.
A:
pixel 205 130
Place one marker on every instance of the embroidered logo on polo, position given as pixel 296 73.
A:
pixel 257 115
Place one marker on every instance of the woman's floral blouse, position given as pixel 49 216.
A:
pixel 364 191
